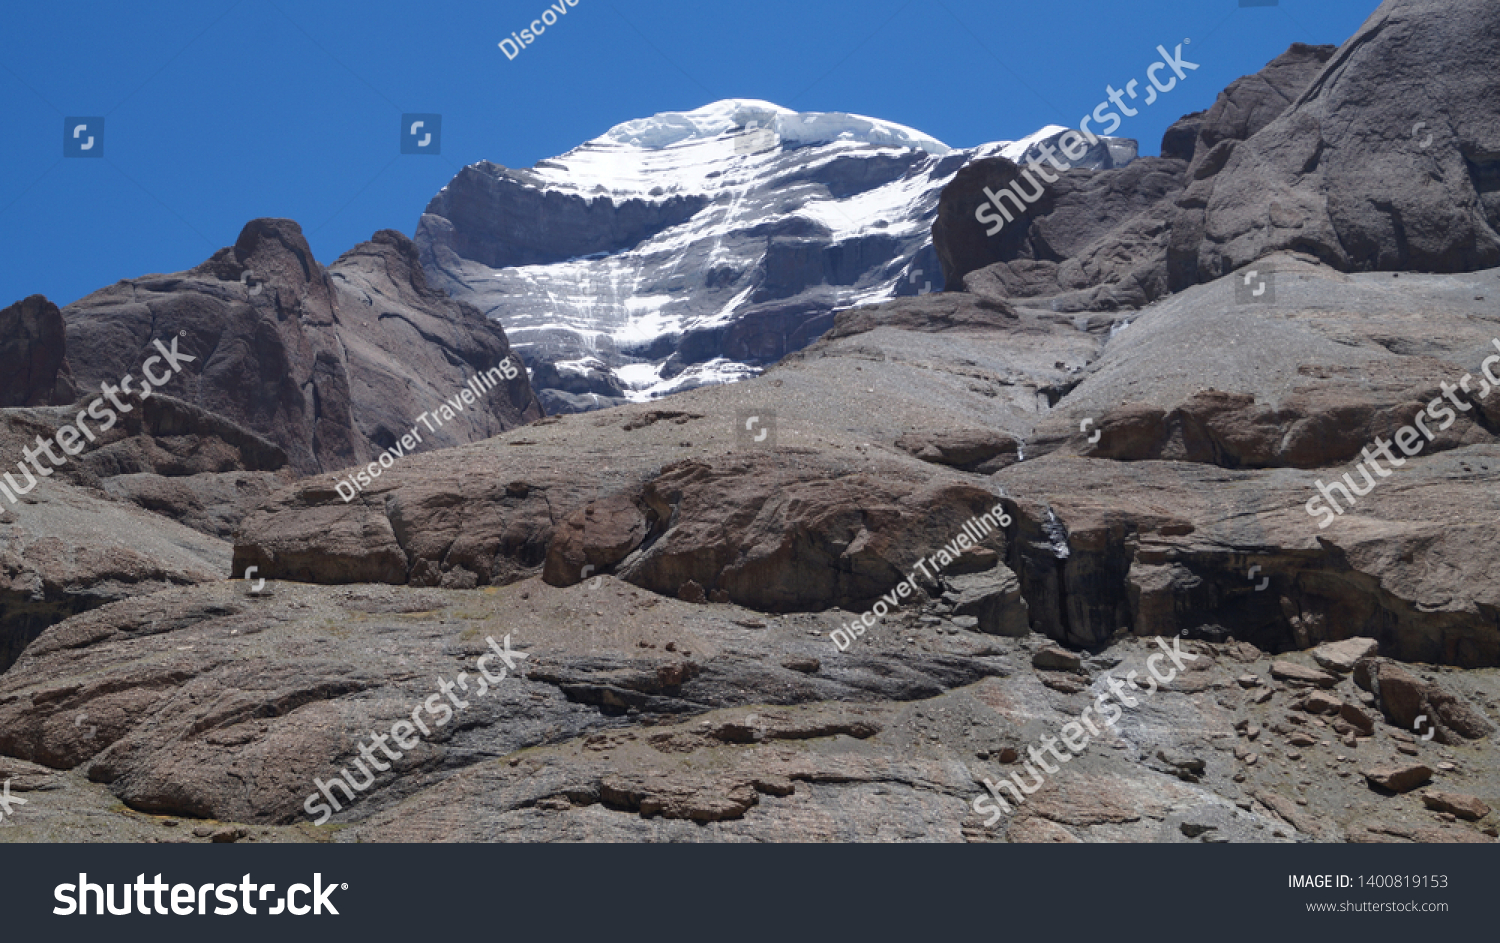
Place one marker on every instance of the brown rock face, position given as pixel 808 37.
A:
pixel 1312 182
pixel 164 456
pixel 776 531
pixel 1343 656
pixel 33 357
pixel 804 541
pixel 1294 673
pixel 1398 777
pixel 1404 698
pixel 1157 547
pixel 595 538
pixel 1464 806
pixel 66 550
pixel 75 539
pixel 1054 246
pixel 1242 110
pixel 333 365
pixel 978 450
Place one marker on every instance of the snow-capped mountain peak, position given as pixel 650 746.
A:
pixel 699 152
pixel 738 116
pixel 697 247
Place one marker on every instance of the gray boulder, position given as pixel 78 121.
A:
pixel 1385 162
pixel 994 598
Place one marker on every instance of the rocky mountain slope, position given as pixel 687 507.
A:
pixel 1273 166
pixel 667 582
pixel 287 368
pixel 211 716
pixel 333 365
pixel 697 248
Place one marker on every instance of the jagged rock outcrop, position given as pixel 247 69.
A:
pixel 1158 548
pixel 165 456
pixel 836 511
pixel 33 353
pixel 1275 166
pixel 288 368
pixel 1242 110
pixel 771 533
pixel 1068 240
pixel 333 365
pixel 1114 238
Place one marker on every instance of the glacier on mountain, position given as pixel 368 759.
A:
pixel 693 248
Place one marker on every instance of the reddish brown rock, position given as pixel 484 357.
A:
pixel 1398 777
pixel 1404 698
pixel 1293 673
pixel 1359 719
pixel 1053 658
pixel 1464 806
pixel 773 532
pixel 594 538
pixel 979 450
pixel 1319 702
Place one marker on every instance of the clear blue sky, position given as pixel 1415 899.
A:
pixel 220 111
